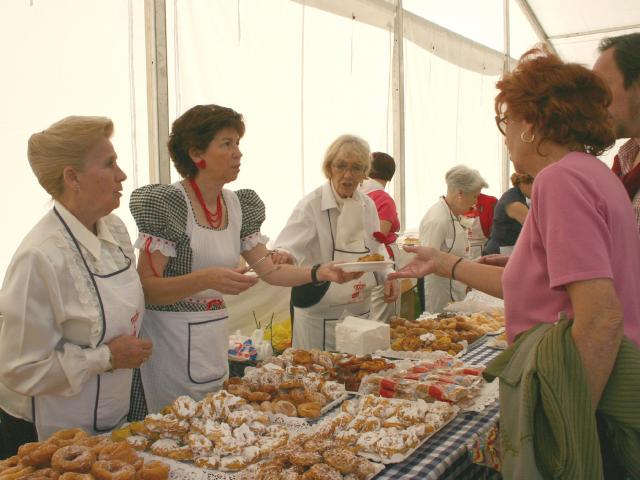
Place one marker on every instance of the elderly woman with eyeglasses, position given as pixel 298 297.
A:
pixel 442 227
pixel 577 258
pixel 334 222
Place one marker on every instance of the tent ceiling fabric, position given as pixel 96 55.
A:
pixel 575 27
pixel 439 41
pixel 570 17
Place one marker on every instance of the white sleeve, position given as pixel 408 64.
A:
pixel 433 232
pixel 35 359
pixel 299 232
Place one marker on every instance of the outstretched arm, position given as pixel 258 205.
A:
pixel 486 278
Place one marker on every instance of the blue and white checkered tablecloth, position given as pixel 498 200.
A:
pixel 445 454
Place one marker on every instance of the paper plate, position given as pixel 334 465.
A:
pixel 365 266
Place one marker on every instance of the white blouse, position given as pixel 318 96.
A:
pixel 307 235
pixel 51 320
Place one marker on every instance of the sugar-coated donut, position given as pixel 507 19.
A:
pixel 43 474
pixel 285 407
pixel 309 409
pixel 16 472
pixel 121 451
pixel 68 437
pixel 154 470
pixel 37 454
pixel 9 463
pixel 73 458
pixel 76 476
pixel 113 470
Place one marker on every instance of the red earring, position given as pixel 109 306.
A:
pixel 201 164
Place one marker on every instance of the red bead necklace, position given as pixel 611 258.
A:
pixel 213 219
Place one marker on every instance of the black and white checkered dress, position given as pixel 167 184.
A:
pixel 161 213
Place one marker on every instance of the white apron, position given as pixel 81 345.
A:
pixel 314 326
pixel 192 346
pixel 440 291
pixel 103 402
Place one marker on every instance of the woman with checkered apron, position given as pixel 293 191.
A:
pixel 192 234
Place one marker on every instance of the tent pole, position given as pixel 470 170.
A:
pixel 398 113
pixel 157 90
pixel 505 69
pixel 535 24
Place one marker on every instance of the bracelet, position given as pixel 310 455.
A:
pixel 314 274
pixel 453 269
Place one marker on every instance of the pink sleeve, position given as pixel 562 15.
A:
pixel 572 222
pixel 385 205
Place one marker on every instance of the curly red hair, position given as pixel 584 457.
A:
pixel 566 102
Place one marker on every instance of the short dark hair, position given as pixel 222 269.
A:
pixel 382 166
pixel 626 53
pixel 195 128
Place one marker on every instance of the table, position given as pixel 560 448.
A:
pixel 444 456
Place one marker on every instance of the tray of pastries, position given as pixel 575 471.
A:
pixel 222 431
pixel 443 378
pixel 489 323
pixel 71 454
pixel 293 390
pixel 385 430
pixel 345 368
pixel 450 334
pixel 308 457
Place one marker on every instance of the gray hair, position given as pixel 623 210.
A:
pixel 465 179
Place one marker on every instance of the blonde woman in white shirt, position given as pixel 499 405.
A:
pixel 71 301
pixel 443 228
pixel 333 222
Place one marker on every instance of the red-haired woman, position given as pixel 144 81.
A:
pixel 577 257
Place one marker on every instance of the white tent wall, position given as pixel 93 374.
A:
pixel 68 58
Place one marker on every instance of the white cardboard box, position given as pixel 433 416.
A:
pixel 360 336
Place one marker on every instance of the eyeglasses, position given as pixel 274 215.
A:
pixel 355 169
pixel 501 122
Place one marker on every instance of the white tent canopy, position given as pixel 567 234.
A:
pixel 302 72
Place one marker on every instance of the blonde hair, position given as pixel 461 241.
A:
pixel 64 144
pixel 465 179
pixel 350 145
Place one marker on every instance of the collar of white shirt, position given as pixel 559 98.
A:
pixel 328 200
pixel 84 236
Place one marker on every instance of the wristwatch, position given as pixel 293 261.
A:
pixel 314 275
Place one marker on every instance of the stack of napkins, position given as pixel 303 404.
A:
pixel 359 336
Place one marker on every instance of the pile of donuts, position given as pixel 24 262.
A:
pixel 383 429
pixel 74 455
pixel 222 431
pixel 344 368
pixel 307 457
pixel 433 334
pixel 294 390
pixel 487 322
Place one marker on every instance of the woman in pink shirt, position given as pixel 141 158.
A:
pixel 578 255
pixel 382 169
